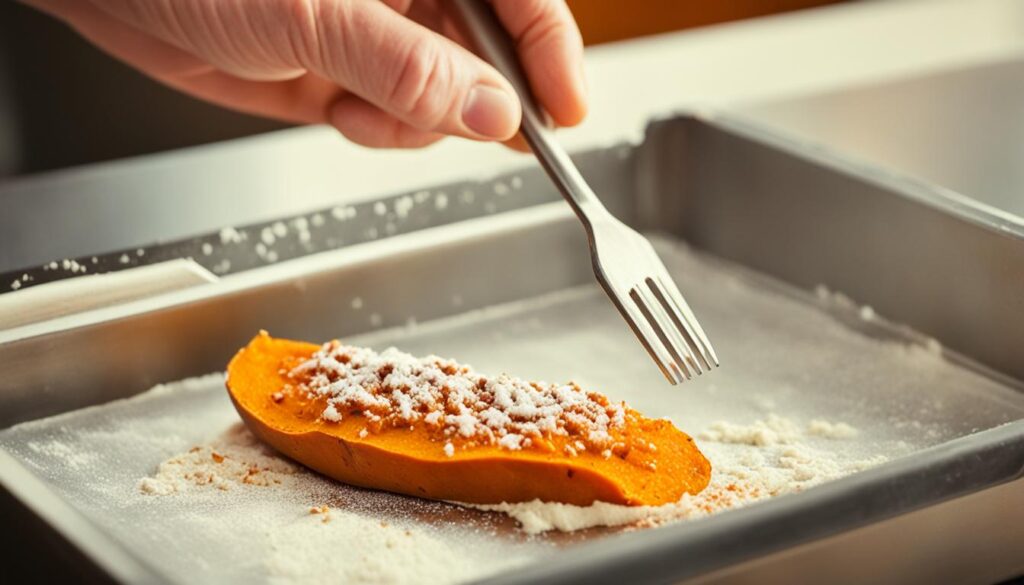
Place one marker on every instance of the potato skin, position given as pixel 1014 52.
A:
pixel 413 461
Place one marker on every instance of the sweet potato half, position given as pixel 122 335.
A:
pixel 665 464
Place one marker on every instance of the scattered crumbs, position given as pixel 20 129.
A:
pixel 441 201
pixel 363 433
pixel 866 313
pixel 423 196
pixel 516 182
pixel 395 389
pixel 343 213
pixel 234 459
pixel 267 236
pixel 277 396
pixel 222 266
pixel 140 252
pixel 468 196
pixel 124 259
pixel 324 512
pixel 52 265
pixel 376 320
pixel 295 516
pixel 357 303
pixel 403 205
pixel 752 462
pixel 272 256
pixel 95 260
pixel 824 428
pixel 317 220
pixel 449 449
pixel 261 249
pixel 775 430
pixel 207 248
pixel 380 208
pixel 372 233
pixel 230 235
pixel 500 188
pixel 16 285
pixel 280 229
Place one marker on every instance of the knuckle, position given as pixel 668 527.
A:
pixel 420 87
pixel 302 29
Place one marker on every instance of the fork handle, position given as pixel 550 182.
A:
pixel 495 45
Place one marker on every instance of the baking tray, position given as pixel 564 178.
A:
pixel 783 209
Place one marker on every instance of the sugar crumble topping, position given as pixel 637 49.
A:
pixel 394 389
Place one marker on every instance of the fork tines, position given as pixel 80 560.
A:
pixel 668 329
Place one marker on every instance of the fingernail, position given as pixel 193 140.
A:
pixel 491 112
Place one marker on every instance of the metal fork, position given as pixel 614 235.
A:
pixel 625 264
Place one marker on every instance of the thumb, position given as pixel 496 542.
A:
pixel 411 72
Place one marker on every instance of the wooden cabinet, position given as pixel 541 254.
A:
pixel 611 20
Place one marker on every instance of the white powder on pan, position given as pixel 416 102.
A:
pixel 234 458
pixel 340 547
pixel 751 462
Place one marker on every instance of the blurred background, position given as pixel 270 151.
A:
pixel 65 103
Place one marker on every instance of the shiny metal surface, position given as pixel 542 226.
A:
pixel 625 264
pixel 962 128
pixel 725 186
pixel 930 258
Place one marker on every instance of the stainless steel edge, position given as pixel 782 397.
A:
pixel 239 248
pixel 310 298
pixel 96 547
pixel 683 551
pixel 943 264
pixel 678 190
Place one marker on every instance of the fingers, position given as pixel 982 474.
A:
pixel 411 72
pixel 551 50
pixel 300 100
pixel 366 124
pixel 365 46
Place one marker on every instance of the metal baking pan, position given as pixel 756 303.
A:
pixel 918 254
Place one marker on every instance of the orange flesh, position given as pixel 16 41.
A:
pixel 412 460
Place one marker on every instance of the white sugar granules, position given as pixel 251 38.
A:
pixel 395 389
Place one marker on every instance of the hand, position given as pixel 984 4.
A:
pixel 385 73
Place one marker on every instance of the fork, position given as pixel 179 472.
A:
pixel 625 263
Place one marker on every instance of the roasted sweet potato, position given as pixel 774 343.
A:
pixel 637 461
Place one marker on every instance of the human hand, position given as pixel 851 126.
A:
pixel 385 73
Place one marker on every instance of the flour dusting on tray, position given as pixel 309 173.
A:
pixel 172 476
pixel 768 457
pixel 751 462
